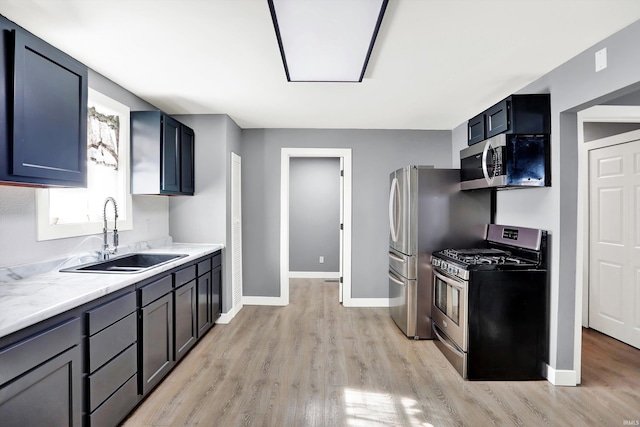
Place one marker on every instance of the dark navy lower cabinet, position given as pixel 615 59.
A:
pixel 156 338
pixel 186 331
pixel 112 367
pixel 43 112
pixel 41 378
pixel 92 365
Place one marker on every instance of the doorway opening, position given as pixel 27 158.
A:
pixel 600 130
pixel 344 155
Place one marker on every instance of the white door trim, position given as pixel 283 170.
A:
pixel 599 113
pixel 286 155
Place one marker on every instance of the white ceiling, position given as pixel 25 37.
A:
pixel 435 64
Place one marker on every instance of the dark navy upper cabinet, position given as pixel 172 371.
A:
pixel 162 159
pixel 497 118
pixel 43 113
pixel 170 177
pixel 476 129
pixel 186 160
pixel 516 114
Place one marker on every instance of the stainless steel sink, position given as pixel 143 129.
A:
pixel 130 263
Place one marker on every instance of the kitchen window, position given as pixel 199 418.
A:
pixel 70 212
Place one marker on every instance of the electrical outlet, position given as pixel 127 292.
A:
pixel 601 59
pixel 321 260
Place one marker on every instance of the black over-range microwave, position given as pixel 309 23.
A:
pixel 506 161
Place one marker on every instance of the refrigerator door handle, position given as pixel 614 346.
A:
pixel 396 280
pixel 394 223
pixel 397 258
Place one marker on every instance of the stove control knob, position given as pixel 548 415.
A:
pixel 453 270
pixel 443 265
pixel 435 262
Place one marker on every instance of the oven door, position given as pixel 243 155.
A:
pixel 449 307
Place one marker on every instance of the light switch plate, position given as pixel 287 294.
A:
pixel 601 59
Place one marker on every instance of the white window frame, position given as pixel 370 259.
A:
pixel 48 231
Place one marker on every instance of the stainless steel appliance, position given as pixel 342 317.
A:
pixel 506 161
pixel 427 212
pixel 490 305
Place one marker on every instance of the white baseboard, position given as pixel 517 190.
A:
pixel 367 302
pixel 314 274
pixel 225 318
pixel 562 377
pixel 248 300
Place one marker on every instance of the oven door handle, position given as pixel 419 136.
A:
pixel 449 281
pixel 396 280
pixel 446 344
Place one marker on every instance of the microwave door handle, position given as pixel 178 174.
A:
pixel 485 170
pixel 394 223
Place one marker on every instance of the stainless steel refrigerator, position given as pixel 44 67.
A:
pixel 428 212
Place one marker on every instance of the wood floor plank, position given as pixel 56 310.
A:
pixel 317 363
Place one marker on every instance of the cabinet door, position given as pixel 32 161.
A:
pixel 49 114
pixel 498 118
pixel 157 341
pixel 185 318
pixel 476 129
pixel 187 160
pixel 216 293
pixel 170 155
pixel 49 395
pixel 204 304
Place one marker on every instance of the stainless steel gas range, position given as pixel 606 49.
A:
pixel 490 305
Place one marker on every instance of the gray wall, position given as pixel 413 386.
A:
pixel 206 217
pixel 18 244
pixel 375 154
pixel 314 214
pixel 599 130
pixel 573 86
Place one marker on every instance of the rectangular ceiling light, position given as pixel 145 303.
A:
pixel 326 40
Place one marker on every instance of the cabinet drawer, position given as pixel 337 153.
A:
pixel 39 348
pixel 216 260
pixel 111 376
pixel 204 267
pixel 109 313
pixel 184 276
pixel 155 290
pixel 117 406
pixel 111 341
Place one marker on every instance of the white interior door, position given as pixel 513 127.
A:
pixel 236 231
pixel 614 241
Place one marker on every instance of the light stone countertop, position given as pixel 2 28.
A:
pixel 29 300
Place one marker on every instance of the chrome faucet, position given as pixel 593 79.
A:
pixel 106 251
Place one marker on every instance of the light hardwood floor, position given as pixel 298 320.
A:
pixel 316 363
